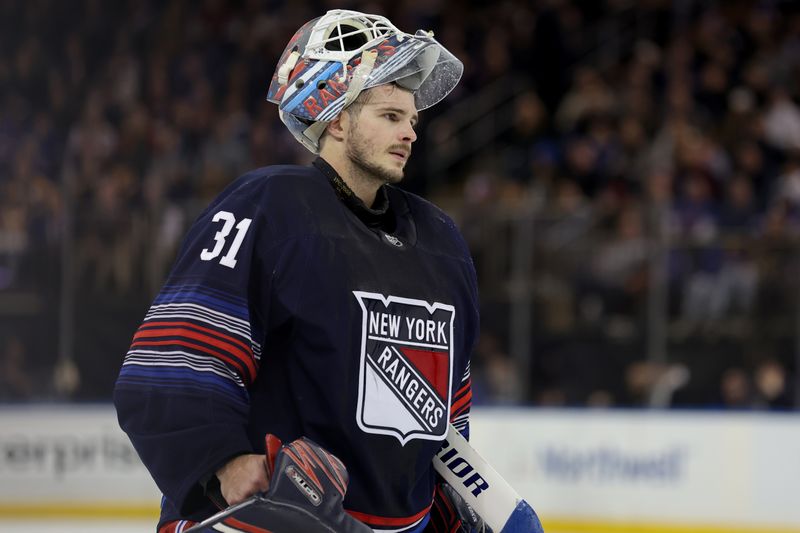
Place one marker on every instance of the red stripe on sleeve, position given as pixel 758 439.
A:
pixel 372 520
pixel 243 361
pixel 172 527
pixel 467 387
pixel 210 331
pixel 462 402
pixel 237 364
pixel 245 356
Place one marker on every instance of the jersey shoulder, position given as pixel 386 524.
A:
pixel 273 184
pixel 290 199
pixel 436 230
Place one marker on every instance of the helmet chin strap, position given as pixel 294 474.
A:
pixel 311 135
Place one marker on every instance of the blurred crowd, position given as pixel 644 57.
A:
pixel 652 158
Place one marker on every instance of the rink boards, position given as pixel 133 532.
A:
pixel 649 471
pixel 582 470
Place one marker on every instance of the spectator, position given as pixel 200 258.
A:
pixel 618 272
pixel 499 381
pixel 772 385
pixel 739 214
pixel 736 389
pixel 16 381
pixel 118 122
pixel 782 120
pixel 589 95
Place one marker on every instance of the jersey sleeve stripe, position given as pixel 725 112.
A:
pixel 462 409
pixel 463 399
pixel 196 287
pixel 460 421
pixel 466 388
pixel 245 370
pixel 184 359
pixel 176 379
pixel 230 320
pixel 466 376
pixel 176 526
pixel 462 427
pixel 242 356
pixel 224 337
pixel 239 311
pixel 207 316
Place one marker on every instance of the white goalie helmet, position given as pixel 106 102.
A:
pixel 332 58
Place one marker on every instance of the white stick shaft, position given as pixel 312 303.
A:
pixel 476 481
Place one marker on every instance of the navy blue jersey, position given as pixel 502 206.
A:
pixel 288 313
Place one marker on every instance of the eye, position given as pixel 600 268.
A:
pixel 391 116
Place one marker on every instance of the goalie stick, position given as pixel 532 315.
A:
pixel 492 498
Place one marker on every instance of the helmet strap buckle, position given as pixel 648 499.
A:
pixel 287 67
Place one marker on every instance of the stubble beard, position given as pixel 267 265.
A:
pixel 359 150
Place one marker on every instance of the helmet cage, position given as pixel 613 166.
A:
pixel 331 59
pixel 340 35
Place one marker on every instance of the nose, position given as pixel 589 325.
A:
pixel 408 134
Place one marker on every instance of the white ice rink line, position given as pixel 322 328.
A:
pixel 76 526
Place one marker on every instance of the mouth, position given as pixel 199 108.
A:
pixel 400 155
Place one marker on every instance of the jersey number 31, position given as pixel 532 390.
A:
pixel 228 222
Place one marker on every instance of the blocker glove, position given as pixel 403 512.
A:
pixel 306 488
pixel 450 513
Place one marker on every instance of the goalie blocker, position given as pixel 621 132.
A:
pixel 306 488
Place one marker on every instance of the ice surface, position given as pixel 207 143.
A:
pixel 77 526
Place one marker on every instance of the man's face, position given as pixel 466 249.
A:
pixel 380 134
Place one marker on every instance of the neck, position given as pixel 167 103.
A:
pixel 363 184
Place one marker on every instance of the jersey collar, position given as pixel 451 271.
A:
pixel 379 216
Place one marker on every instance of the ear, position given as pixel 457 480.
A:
pixel 337 128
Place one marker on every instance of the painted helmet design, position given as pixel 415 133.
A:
pixel 332 58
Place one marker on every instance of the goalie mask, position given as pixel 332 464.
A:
pixel 331 59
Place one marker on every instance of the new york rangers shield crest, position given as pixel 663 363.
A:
pixel 406 370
